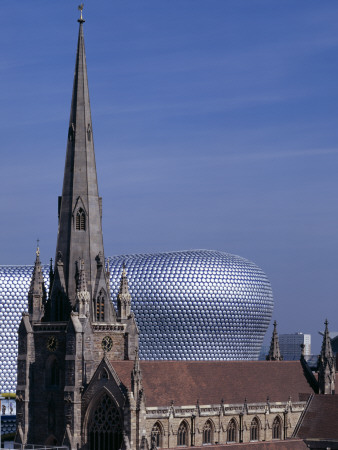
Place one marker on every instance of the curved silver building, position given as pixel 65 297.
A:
pixel 194 305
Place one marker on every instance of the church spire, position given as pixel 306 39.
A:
pixel 37 291
pixel 274 353
pixel 326 365
pixel 326 351
pixel 80 228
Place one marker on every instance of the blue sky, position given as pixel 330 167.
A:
pixel 215 126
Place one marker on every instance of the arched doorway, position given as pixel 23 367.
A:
pixel 51 441
pixel 105 426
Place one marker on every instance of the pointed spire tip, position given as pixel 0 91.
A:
pixel 81 19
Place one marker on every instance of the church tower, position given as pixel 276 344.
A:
pixel 326 365
pixel 274 352
pixel 65 339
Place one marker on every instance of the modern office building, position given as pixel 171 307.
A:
pixel 290 345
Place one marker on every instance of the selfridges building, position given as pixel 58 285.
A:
pixel 189 305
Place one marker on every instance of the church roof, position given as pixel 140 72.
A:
pixel 210 382
pixel 320 419
pixel 289 444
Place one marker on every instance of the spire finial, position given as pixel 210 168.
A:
pixel 37 247
pixel 326 365
pixel 274 353
pixel 80 8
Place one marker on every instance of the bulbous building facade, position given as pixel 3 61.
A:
pixel 189 305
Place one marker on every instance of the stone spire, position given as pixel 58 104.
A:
pixel 123 297
pixel 136 377
pixel 37 292
pixel 51 277
pixel 274 352
pixel 82 294
pixel 326 365
pixel 80 229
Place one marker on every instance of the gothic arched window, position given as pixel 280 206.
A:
pixel 254 430
pixel 208 431
pixel 80 222
pixel 60 307
pixel 100 306
pixel 277 428
pixel 156 435
pixel 182 434
pixel 52 373
pixel 105 427
pixel 232 431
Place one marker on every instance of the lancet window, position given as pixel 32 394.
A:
pixel 156 435
pixel 277 428
pixel 80 222
pixel 52 373
pixel 100 306
pixel 105 428
pixel 182 434
pixel 254 430
pixel 232 431
pixel 208 433
pixel 59 307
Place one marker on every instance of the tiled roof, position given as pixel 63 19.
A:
pixel 208 382
pixel 321 418
pixel 289 444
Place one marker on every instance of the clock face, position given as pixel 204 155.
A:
pixel 52 343
pixel 107 343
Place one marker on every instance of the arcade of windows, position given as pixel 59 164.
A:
pixel 232 432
